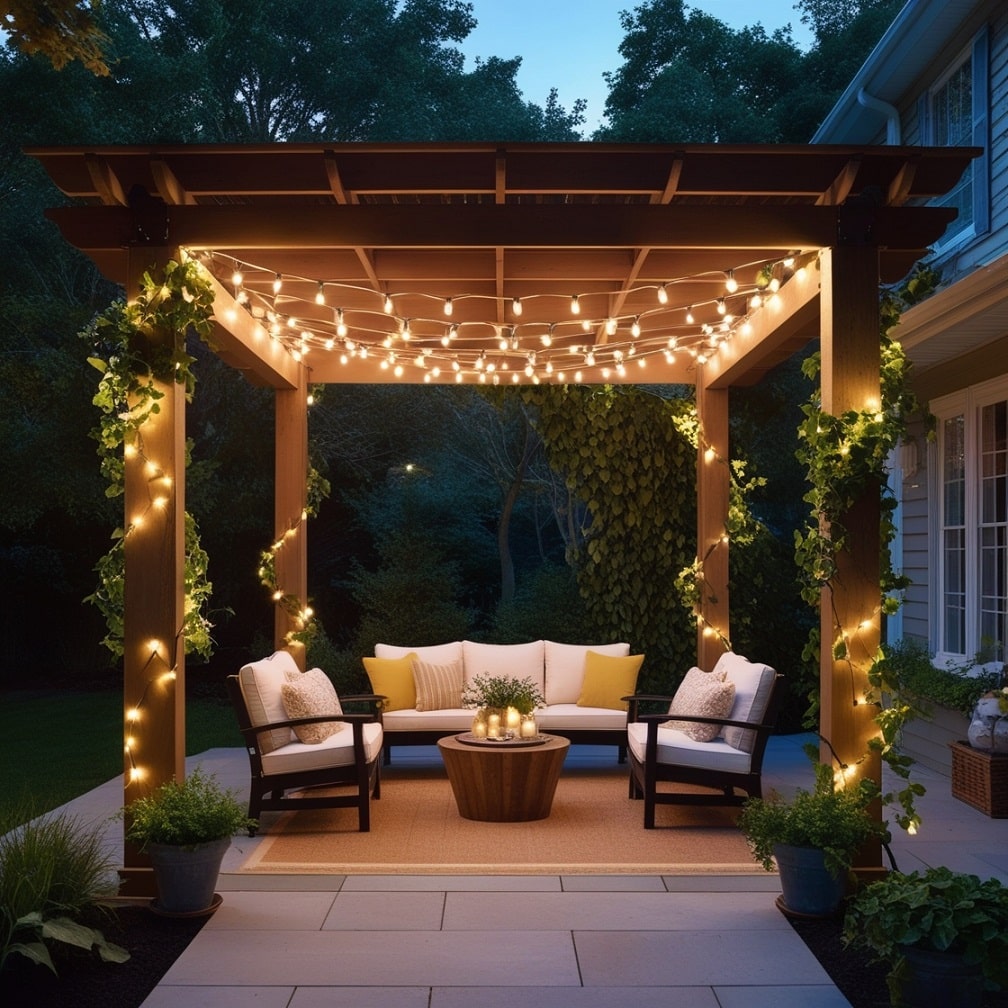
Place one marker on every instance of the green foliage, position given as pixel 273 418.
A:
pixel 908 666
pixel 623 454
pixel 938 909
pixel 60 30
pixel 52 869
pixel 502 692
pixel 833 819
pixel 185 813
pixel 143 344
pixel 546 606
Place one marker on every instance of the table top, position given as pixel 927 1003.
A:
pixel 552 743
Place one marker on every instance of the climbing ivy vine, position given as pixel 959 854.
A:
pixel 845 457
pixel 135 346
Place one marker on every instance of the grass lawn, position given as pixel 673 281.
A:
pixel 56 745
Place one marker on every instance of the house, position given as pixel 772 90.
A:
pixel 939 76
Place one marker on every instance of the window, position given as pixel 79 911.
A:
pixel 971 554
pixel 956 116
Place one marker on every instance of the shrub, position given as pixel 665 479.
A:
pixel 52 869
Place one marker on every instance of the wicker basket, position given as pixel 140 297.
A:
pixel 980 779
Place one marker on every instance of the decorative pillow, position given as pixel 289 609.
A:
pixel 607 678
pixel 438 687
pixel 565 665
pixel 705 694
pixel 312 695
pixel 393 677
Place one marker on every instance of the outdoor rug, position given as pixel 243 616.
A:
pixel 593 829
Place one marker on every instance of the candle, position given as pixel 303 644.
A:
pixel 529 729
pixel 479 729
pixel 513 718
pixel 493 726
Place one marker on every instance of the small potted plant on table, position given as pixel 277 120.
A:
pixel 185 827
pixel 813 838
pixel 944 935
pixel 495 698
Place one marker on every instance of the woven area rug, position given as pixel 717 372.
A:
pixel 593 829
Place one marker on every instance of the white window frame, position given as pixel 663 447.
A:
pixel 976 55
pixel 966 403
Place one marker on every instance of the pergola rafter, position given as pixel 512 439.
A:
pixel 673 254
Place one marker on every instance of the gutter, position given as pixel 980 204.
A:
pixel 893 132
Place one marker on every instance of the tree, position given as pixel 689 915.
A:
pixel 61 30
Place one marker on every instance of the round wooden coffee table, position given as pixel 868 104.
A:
pixel 503 783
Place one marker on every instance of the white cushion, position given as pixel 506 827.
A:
pixel 565 666
pixel 518 661
pixel 753 683
pixel 457 720
pixel 260 683
pixel 436 654
pixel 570 716
pixel 678 749
pixel 337 750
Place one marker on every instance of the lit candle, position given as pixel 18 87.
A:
pixel 493 726
pixel 479 729
pixel 513 718
pixel 529 729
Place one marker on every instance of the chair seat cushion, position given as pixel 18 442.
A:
pixel 677 748
pixel 335 751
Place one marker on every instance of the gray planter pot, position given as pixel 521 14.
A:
pixel 939 979
pixel 186 876
pixel 808 889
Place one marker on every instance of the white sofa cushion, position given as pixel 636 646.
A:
pixel 679 749
pixel 565 666
pixel 517 661
pixel 567 717
pixel 337 750
pixel 260 683
pixel 753 683
pixel 438 654
pixel 458 719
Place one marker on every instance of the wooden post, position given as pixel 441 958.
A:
pixel 154 556
pixel 291 466
pixel 851 364
pixel 713 483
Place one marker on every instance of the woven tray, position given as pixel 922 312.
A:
pixel 980 779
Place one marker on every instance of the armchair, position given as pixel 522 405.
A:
pixel 724 754
pixel 286 771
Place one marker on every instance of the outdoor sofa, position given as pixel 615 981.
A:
pixel 584 685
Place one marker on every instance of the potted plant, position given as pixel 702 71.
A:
pixel 944 935
pixel 185 827
pixel 813 838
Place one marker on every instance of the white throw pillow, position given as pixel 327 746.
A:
pixel 565 668
pixel 705 694
pixel 312 695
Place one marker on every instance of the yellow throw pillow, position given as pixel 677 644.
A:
pixel 393 677
pixel 607 679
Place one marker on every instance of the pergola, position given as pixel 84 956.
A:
pixel 505 263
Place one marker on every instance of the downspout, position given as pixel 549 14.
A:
pixel 893 135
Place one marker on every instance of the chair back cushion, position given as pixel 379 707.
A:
pixel 565 668
pixel 312 695
pixel 704 694
pixel 753 686
pixel 260 683
pixel 607 679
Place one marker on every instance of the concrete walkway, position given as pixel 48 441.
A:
pixel 436 941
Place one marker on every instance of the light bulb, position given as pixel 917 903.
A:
pixel 635 328
pixel 610 327
pixel 575 305
pixel 236 278
pixel 721 308
pixel 388 305
pixel 662 295
pixel 731 284
pixel 448 307
pixel 320 293
pixel 689 316
pixel 277 283
pixel 516 306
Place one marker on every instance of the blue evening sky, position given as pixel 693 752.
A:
pixel 568 44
